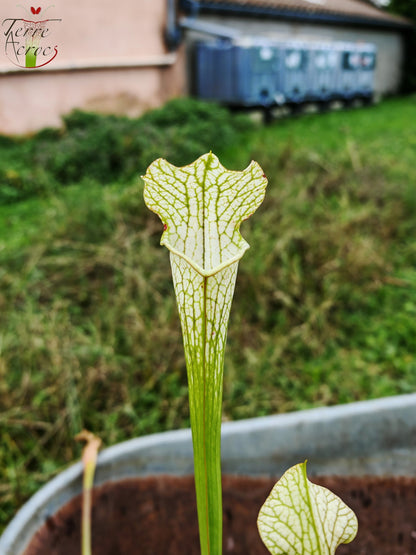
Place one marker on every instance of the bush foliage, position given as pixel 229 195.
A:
pixel 108 148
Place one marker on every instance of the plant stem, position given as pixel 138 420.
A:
pixel 207 299
pixel 89 459
pixel 86 510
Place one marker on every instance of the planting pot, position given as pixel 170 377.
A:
pixel 144 500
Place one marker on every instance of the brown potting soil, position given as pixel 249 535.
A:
pixel 157 516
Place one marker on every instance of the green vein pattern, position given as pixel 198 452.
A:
pixel 302 518
pixel 202 206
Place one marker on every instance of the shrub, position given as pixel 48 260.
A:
pixel 19 176
pixel 109 148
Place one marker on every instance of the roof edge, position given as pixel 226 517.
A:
pixel 194 7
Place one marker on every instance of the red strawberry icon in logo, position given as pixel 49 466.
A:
pixel 35 11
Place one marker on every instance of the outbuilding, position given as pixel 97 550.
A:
pixel 329 21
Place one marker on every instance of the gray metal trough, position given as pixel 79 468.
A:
pixel 375 437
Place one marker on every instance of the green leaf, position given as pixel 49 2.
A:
pixel 202 206
pixel 302 518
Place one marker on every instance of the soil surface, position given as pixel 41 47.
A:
pixel 157 516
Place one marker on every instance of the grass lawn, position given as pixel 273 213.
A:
pixel 324 309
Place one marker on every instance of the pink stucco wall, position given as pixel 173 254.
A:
pixel 111 57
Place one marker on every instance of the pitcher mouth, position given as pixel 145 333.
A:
pixel 202 206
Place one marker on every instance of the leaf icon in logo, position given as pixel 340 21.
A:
pixel 35 11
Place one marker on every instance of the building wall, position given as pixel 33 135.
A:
pixel 389 43
pixel 111 57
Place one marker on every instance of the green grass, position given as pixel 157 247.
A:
pixel 324 310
